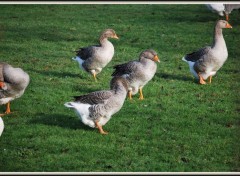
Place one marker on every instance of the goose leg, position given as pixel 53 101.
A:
pixel 130 95
pixel 93 72
pixel 201 81
pixel 141 94
pixel 227 17
pixel 210 79
pixel 100 128
pixel 8 111
pixel 94 75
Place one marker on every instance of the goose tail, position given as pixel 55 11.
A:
pixel 69 105
pixel 184 59
pixel 79 60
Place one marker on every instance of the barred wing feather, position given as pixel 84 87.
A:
pixel 97 97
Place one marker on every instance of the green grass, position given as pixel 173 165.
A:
pixel 181 126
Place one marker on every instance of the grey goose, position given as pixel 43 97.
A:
pixel 96 108
pixel 93 59
pixel 13 82
pixel 138 72
pixel 207 61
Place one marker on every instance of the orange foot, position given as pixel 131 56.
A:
pixel 100 128
pixel 201 81
pixel 2 84
pixel 8 111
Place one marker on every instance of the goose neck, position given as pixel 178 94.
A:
pixel 218 37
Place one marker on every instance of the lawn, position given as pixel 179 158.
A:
pixel 180 126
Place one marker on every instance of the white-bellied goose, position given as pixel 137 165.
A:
pixel 207 61
pixel 94 58
pixel 13 82
pixel 96 109
pixel 229 8
pixel 1 126
pixel 138 72
pixel 218 8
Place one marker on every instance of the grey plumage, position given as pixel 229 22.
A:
pixel 207 61
pixel 14 80
pixel 94 58
pixel 138 72
pixel 223 9
pixel 230 7
pixel 95 109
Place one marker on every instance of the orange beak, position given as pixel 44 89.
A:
pixel 156 59
pixel 228 25
pixel 115 36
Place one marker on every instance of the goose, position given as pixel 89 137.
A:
pixel 229 8
pixel 218 8
pixel 13 82
pixel 207 61
pixel 138 72
pixel 1 126
pixel 96 108
pixel 223 9
pixel 94 58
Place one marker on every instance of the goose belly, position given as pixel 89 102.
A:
pixel 134 87
pixel 105 57
pixel 211 70
pixel 6 100
pixel 104 120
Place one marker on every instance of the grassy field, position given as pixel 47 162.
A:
pixel 180 126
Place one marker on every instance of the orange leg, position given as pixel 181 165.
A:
pixel 227 17
pixel 141 94
pixel 8 111
pixel 130 95
pixel 100 128
pixel 201 81
pixel 210 79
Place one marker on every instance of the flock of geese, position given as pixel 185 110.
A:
pixel 96 108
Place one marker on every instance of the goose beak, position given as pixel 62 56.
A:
pixel 228 25
pixel 115 36
pixel 156 59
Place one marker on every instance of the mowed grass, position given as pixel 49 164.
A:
pixel 180 126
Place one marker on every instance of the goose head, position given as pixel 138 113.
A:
pixel 223 24
pixel 149 54
pixel 108 33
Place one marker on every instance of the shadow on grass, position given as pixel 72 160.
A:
pixel 175 77
pixel 63 121
pixel 57 74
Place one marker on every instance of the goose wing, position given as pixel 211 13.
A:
pixel 126 68
pixel 86 52
pixel 195 56
pixel 97 97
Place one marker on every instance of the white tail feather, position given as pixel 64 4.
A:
pixel 79 60
pixel 184 59
pixel 69 105
pixel 82 110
